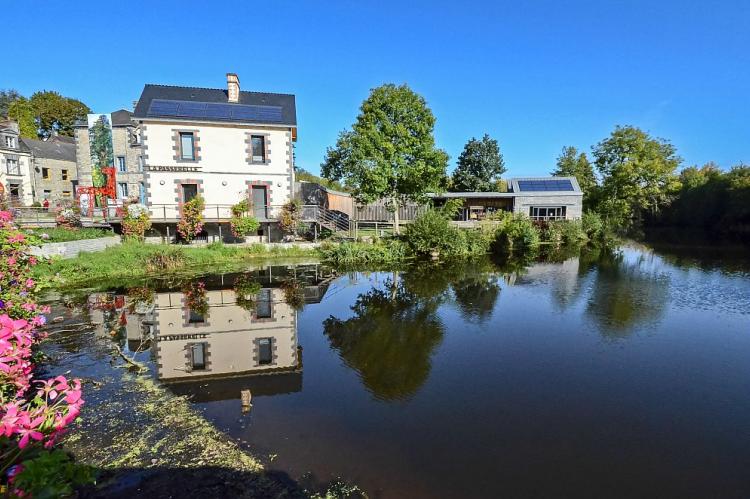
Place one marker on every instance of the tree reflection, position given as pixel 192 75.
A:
pixel 625 294
pixel 390 340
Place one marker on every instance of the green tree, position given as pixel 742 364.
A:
pixel 637 175
pixel 100 145
pixel 7 97
pixel 390 151
pixel 55 113
pixel 479 166
pixel 20 110
pixel 571 163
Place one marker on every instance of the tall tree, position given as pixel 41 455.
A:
pixel 571 163
pixel 637 174
pixel 479 166
pixel 20 110
pixel 7 97
pixel 55 113
pixel 390 151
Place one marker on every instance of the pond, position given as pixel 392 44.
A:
pixel 609 373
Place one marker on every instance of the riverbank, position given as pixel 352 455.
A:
pixel 132 260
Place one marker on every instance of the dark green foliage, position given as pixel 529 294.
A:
pixel 7 97
pixel 592 225
pixel 57 114
pixel 302 175
pixel 390 151
pixel 515 233
pixel 387 252
pixel 710 200
pixel 571 163
pixel 52 474
pixel 638 175
pixel 480 166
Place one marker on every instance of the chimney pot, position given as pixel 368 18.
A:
pixel 233 88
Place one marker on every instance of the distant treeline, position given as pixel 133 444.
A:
pixel 709 200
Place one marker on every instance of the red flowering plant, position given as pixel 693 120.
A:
pixel 191 218
pixel 33 413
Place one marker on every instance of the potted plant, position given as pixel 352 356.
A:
pixel 243 225
pixel 191 219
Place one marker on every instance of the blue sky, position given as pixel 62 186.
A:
pixel 536 75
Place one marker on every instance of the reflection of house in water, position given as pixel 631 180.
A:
pixel 562 277
pixel 215 351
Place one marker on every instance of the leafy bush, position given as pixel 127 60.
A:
pixel 191 219
pixel 515 232
pixel 592 225
pixel 387 252
pixel 432 231
pixel 291 216
pixel 559 232
pixel 135 223
pixel 52 474
pixel 242 223
pixel 68 214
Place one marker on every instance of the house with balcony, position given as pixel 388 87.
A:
pixel 16 179
pixel 539 198
pixel 224 144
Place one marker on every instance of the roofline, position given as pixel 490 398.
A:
pixel 574 181
pixel 216 88
pixel 173 120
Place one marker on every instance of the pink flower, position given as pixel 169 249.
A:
pixel 11 261
pixel 29 283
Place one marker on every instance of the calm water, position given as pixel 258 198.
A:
pixel 608 374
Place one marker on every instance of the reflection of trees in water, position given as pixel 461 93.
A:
pixel 476 297
pixel 625 294
pixel 389 341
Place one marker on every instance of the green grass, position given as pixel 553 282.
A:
pixel 60 234
pixel 133 260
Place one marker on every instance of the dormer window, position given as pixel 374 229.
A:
pixel 10 142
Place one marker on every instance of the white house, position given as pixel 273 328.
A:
pixel 223 144
pixel 16 181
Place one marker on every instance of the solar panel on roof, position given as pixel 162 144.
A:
pixel 545 185
pixel 214 111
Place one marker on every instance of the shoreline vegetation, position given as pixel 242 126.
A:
pixel 430 237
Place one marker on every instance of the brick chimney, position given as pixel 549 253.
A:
pixel 233 87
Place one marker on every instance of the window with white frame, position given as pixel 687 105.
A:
pixel 122 190
pixel 10 142
pixel 13 167
pixel 547 212
pixel 121 164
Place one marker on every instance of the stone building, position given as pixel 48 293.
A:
pixel 128 158
pixel 16 181
pixel 53 166
pixel 225 145
pixel 539 198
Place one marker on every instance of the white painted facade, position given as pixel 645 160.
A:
pixel 222 169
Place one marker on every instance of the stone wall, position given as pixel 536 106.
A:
pixel 71 249
pixel 56 187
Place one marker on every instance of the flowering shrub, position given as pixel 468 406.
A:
pixel 68 214
pixel 291 216
pixel 135 223
pixel 246 290
pixel 242 224
pixel 196 298
pixel 191 219
pixel 33 413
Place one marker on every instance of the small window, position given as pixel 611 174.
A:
pixel 10 142
pixel 45 173
pixel 259 148
pixel 15 191
pixel 65 174
pixel 12 166
pixel 187 145
pixel 122 190
pixel 140 163
pixel 66 194
pixel 265 351
pixel 198 356
pixel 121 164
pixel 47 194
pixel 196 317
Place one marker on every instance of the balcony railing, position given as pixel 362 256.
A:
pixel 547 218
pixel 211 212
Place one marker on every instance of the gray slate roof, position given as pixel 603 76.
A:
pixel 121 118
pixel 216 96
pixel 60 148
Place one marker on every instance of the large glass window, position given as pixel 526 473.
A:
pixel 187 145
pixel 259 148
pixel 547 212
